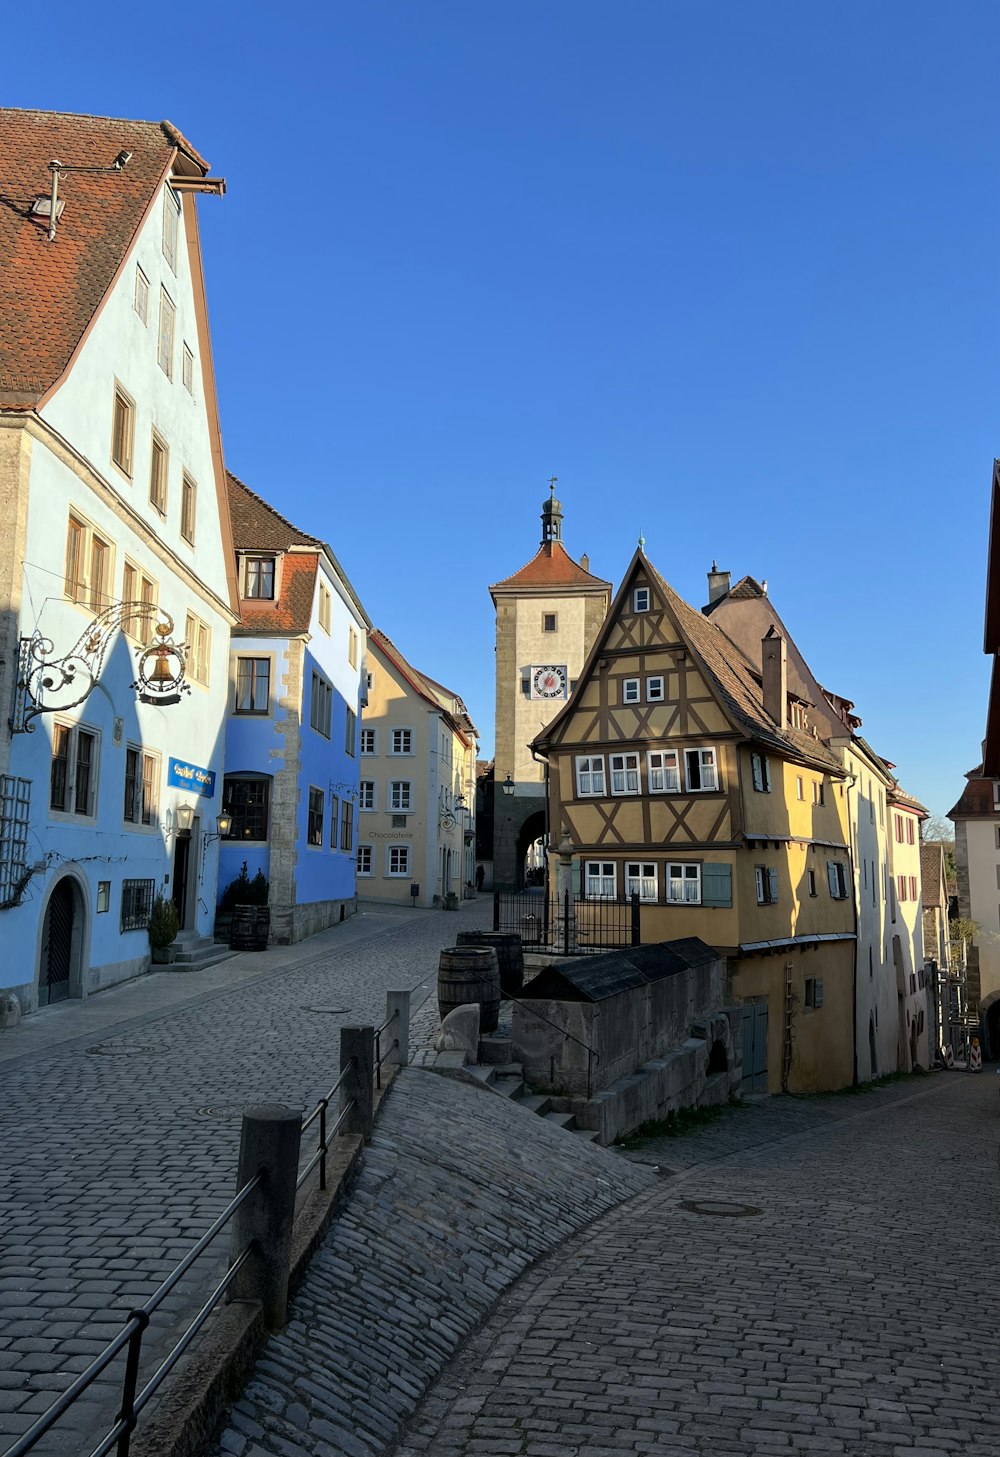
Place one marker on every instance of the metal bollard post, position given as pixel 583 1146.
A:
pixel 270 1143
pixel 357 1052
pixel 398 1031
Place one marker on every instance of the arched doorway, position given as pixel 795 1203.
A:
pixel 59 956
pixel 990 1011
pixel 531 850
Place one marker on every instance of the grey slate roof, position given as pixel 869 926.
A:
pixel 599 977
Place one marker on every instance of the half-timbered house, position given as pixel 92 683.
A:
pixel 685 773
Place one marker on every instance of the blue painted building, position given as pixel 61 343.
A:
pixel 296 681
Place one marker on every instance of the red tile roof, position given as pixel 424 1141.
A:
pixel 552 566
pixel 50 292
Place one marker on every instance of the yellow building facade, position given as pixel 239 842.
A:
pixel 677 777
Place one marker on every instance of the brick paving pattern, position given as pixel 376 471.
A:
pixel 459 1193
pixel 852 1314
pixel 120 1145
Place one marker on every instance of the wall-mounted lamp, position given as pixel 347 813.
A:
pixel 223 825
pixel 183 820
pixel 508 786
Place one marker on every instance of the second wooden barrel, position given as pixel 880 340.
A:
pixel 470 974
pixel 510 955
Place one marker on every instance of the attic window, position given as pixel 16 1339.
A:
pixel 42 207
pixel 259 577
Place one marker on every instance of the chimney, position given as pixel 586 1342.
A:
pixel 774 673
pixel 718 585
pixel 585 562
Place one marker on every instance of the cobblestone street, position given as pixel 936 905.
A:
pixel 121 1125
pixel 815 1276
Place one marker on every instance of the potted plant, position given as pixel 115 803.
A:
pixel 164 924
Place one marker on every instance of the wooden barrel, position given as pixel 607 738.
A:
pixel 470 974
pixel 243 928
pixel 510 955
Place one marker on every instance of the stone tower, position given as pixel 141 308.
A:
pixel 548 615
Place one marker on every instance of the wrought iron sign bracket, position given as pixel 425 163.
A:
pixel 47 684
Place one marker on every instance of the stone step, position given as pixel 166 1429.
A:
pixel 485 1075
pixel 509 1087
pixel 535 1103
pixel 509 1070
pixel 199 960
pixel 561 1120
pixel 589 1134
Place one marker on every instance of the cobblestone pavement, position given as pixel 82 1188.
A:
pixel 848 1311
pixel 120 1119
pixel 460 1190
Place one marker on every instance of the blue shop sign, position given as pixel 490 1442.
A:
pixel 191 776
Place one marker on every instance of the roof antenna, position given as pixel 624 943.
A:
pixel 56 167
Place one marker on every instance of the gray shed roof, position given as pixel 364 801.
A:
pixel 599 977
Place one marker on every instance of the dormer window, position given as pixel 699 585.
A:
pixel 258 581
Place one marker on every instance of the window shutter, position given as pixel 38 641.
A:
pixel 772 885
pixel 716 885
pixel 818 994
pixel 831 875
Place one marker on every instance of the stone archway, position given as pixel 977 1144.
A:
pixel 989 1012
pixel 62 938
pixel 532 829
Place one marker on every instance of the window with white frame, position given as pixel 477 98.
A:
pixel 590 775
pixel 123 431
pixel 314 828
pixel 397 860
pixel 624 773
pixel 663 771
pixel 253 685
pixel 760 771
pixel 366 794
pixel 684 883
pixel 89 562
pixel 189 507
pixel 325 607
pixel 640 599
pixel 187 369
pixel 654 689
pixel 640 879
pixel 171 221
pixel 159 462
pixel 165 335
pixel 701 769
pixel 836 872
pixel 369 741
pixel 766 877
pixel 364 861
pixel 321 705
pixel 819 796
pixel 137 587
pixel 140 301
pixel 258 578
pixel 400 795
pixel 73 777
pixel 800 791
pixel 600 880
pixel 142 786
pixel 401 741
pixel 630 690
pixel 198 636
pixel 352 647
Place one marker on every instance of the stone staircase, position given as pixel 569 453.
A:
pixel 195 952
pixel 507 1080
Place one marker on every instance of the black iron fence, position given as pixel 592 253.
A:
pixel 261 1217
pixel 566 925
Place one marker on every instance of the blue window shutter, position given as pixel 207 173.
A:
pixel 772 884
pixel 716 885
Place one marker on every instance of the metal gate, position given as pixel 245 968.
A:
pixel 755 1047
pixel 57 945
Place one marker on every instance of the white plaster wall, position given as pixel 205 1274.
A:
pixel 984 898
pixel 876 977
pixel 121 348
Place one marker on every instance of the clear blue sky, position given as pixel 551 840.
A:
pixel 729 270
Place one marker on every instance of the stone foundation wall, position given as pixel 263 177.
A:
pixel 297 923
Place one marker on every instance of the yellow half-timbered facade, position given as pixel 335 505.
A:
pixel 687 775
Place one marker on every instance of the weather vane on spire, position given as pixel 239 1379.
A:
pixel 552 484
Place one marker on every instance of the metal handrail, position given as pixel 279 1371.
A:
pixel 325 1102
pixel 131 1335
pixel 319 1157
pixel 379 1059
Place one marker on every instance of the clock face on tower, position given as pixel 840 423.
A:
pixel 548 682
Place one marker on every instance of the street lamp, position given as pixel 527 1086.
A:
pixel 508 786
pixel 184 819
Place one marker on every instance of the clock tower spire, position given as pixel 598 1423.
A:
pixel 552 515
